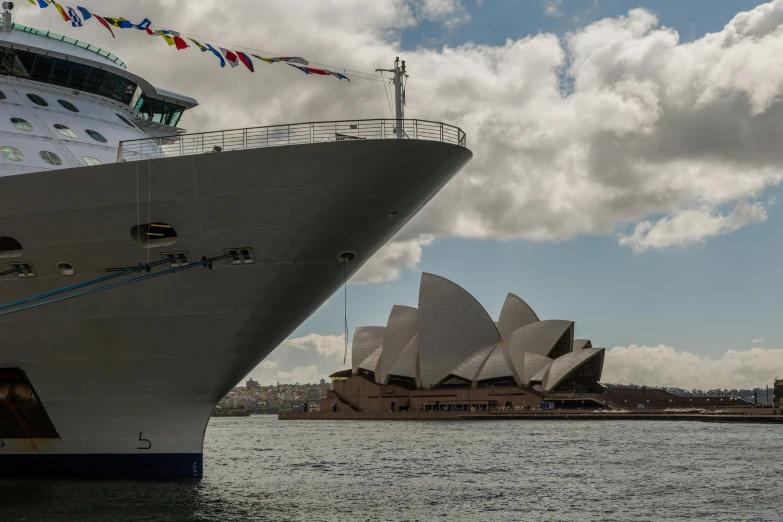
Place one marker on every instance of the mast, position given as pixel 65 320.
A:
pixel 7 19
pixel 399 94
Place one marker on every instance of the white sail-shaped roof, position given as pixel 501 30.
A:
pixel 401 327
pixel 469 369
pixel 515 314
pixel 539 338
pixel 407 362
pixel 366 339
pixel 540 376
pixel 533 364
pixel 372 363
pixel 579 344
pixel 563 366
pixel 495 366
pixel 453 326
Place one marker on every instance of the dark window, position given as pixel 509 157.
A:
pixel 38 100
pixel 21 124
pixel 42 68
pixel 2 95
pixel 68 105
pixel 51 158
pixel 61 72
pixel 12 153
pixel 126 121
pixel 65 130
pixel 97 136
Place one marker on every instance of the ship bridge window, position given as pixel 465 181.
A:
pixel 10 247
pixel 158 111
pixel 154 235
pixel 55 71
pixel 97 136
pixel 2 95
pixel 12 153
pixel 51 158
pixel 68 105
pixel 38 100
pixel 21 124
pixel 65 130
pixel 91 161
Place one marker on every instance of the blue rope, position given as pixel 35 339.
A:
pixel 9 272
pixel 207 263
pixel 136 269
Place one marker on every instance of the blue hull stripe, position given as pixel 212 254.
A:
pixel 148 465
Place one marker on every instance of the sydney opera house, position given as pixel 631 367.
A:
pixel 449 354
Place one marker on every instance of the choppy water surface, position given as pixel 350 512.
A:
pixel 259 468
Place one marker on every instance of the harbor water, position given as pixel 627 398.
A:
pixel 259 468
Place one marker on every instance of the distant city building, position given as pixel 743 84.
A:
pixel 778 393
pixel 451 343
pixel 252 385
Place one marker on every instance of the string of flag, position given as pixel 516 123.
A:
pixel 79 15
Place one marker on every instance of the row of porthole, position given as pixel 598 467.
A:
pixel 38 100
pixel 49 157
pixel 26 126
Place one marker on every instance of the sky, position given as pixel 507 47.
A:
pixel 626 173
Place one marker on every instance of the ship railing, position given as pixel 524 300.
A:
pixel 282 135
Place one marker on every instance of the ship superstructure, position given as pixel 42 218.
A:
pixel 212 248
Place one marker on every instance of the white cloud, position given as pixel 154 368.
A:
pixel 552 8
pixel 451 13
pixel 618 123
pixel 758 340
pixel 303 375
pixel 325 345
pixel 391 260
pixel 665 366
pixel 691 226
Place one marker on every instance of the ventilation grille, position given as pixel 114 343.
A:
pixel 240 256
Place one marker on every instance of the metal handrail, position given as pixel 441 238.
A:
pixel 281 135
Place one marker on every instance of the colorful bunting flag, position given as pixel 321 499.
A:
pixel 180 43
pixel 169 39
pixel 78 16
pixel 62 12
pixel 105 24
pixel 86 15
pixel 231 58
pixel 246 60
pixel 76 20
pixel 202 47
pixel 120 22
pixel 288 59
pixel 217 53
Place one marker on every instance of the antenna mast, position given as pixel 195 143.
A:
pixel 399 94
pixel 8 23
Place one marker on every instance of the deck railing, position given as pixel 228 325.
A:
pixel 281 135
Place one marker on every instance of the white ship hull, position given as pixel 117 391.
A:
pixel 128 377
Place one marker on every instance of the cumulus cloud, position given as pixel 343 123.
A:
pixel 391 260
pixel 691 226
pixel 665 366
pixel 306 359
pixel 758 340
pixel 552 8
pixel 617 128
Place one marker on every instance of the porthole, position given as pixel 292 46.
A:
pixel 68 105
pixel 12 153
pixel 38 100
pixel 66 269
pixel 21 124
pixel 65 130
pixel 9 248
pixel 154 235
pixel 51 158
pixel 123 118
pixel 91 161
pixel 2 95
pixel 97 136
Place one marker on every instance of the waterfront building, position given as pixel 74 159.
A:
pixel 778 393
pixel 449 354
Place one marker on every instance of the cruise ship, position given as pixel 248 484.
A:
pixel 144 271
